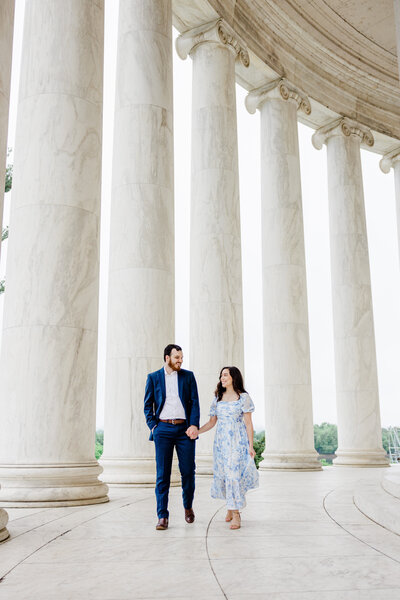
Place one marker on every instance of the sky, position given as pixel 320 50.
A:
pixel 381 227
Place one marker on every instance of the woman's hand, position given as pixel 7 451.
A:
pixel 252 453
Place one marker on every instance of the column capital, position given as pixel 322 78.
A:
pixel 342 127
pixel 388 160
pixel 281 89
pixel 215 32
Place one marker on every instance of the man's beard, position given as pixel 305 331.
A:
pixel 174 367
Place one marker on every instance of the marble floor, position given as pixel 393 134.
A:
pixel 302 538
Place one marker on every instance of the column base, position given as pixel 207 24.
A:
pixel 140 472
pixel 204 465
pixel 33 486
pixel 4 534
pixel 361 458
pixel 304 461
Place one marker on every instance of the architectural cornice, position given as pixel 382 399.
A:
pixel 280 89
pixel 216 32
pixel 343 127
pixel 388 160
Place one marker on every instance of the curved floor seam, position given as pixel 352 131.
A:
pixel 60 534
pixel 352 534
pixel 208 555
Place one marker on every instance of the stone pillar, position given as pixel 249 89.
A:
pixel 6 45
pixel 288 399
pixel 216 311
pixel 141 282
pixel 48 366
pixel 391 479
pixel 392 160
pixel 359 424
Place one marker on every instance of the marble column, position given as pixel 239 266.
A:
pixel 288 400
pixel 391 479
pixel 49 349
pixel 6 45
pixel 141 282
pixel 216 312
pixel 392 161
pixel 359 424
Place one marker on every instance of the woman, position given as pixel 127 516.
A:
pixel 234 469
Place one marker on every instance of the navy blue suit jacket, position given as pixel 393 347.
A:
pixel 154 397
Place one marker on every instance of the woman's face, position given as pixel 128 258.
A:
pixel 226 378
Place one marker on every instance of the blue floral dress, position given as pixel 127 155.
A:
pixel 234 470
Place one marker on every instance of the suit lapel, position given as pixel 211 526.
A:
pixel 180 386
pixel 161 376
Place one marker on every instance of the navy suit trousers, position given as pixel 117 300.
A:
pixel 166 437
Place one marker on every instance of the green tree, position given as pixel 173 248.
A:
pixel 385 439
pixel 325 438
pixel 99 443
pixel 259 446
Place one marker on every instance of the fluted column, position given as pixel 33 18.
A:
pixel 288 400
pixel 359 424
pixel 48 365
pixel 391 479
pixel 216 312
pixel 392 161
pixel 6 42
pixel 141 282
pixel 6 45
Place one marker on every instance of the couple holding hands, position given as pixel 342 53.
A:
pixel 171 407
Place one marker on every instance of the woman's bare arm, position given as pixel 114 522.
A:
pixel 209 425
pixel 250 432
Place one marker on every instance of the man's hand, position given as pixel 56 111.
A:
pixel 192 432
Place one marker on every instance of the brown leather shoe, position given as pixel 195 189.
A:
pixel 162 524
pixel 189 515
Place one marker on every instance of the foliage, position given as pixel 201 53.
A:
pixel 99 443
pixel 259 446
pixel 325 438
pixel 9 175
pixel 385 439
pixel 4 234
pixel 2 286
pixel 325 463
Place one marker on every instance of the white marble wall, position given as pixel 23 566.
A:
pixel 6 43
pixel 141 282
pixel 359 425
pixel 288 400
pixel 48 366
pixel 216 314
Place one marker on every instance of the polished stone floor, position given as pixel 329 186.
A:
pixel 302 538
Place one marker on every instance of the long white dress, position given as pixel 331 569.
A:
pixel 235 471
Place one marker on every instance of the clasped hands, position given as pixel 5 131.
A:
pixel 192 432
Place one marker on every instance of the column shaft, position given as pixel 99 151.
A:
pixel 359 426
pixel 216 312
pixel 288 399
pixel 6 42
pixel 141 282
pixel 48 367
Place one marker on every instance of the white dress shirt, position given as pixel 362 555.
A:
pixel 173 407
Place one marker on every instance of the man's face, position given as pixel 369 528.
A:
pixel 175 360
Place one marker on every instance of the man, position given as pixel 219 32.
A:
pixel 171 407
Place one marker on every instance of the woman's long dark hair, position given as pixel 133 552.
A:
pixel 237 382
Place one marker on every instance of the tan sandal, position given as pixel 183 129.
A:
pixel 228 517
pixel 235 520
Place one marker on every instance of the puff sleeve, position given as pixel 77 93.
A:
pixel 213 408
pixel 247 404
